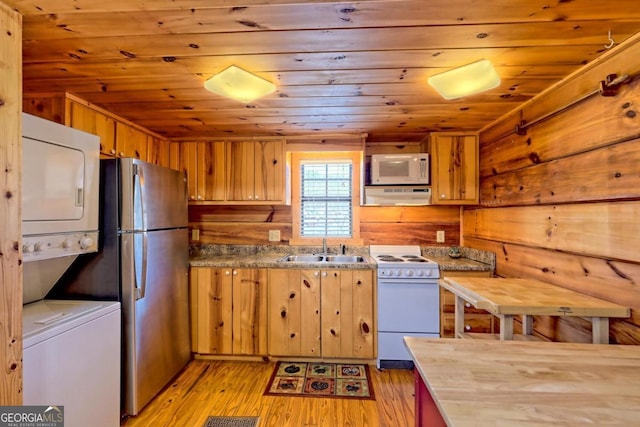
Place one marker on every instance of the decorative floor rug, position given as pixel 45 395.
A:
pixel 320 380
pixel 232 422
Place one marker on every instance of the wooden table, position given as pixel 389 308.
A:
pixel 521 383
pixel 506 298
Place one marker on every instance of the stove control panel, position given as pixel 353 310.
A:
pixel 408 273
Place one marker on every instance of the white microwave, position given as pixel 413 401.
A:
pixel 393 169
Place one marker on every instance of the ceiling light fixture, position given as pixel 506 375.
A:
pixel 236 83
pixel 467 80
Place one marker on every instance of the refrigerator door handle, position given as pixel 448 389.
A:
pixel 139 213
pixel 140 263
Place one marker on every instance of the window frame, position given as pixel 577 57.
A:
pixel 356 159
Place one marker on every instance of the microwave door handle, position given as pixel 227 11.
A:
pixel 140 264
pixel 140 213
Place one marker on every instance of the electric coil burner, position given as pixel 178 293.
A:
pixel 408 301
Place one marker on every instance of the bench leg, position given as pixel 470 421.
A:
pixel 600 330
pixel 527 325
pixel 506 326
pixel 459 317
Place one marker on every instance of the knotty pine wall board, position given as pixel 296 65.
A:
pixel 609 173
pixel 608 230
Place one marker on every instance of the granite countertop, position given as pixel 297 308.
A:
pixel 247 256
pixel 266 260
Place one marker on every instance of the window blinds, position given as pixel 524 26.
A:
pixel 326 199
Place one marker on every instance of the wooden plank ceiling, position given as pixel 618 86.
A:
pixel 339 67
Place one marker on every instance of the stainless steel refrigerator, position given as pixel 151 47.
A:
pixel 142 262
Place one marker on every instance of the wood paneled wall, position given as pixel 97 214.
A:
pixel 10 214
pixel 562 202
pixel 250 225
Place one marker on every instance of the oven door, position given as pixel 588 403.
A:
pixel 408 306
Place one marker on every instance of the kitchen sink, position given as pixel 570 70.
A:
pixel 344 258
pixel 322 258
pixel 301 258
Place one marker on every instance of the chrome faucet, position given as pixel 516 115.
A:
pixel 324 245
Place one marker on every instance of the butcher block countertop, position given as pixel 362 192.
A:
pixel 522 383
pixel 529 296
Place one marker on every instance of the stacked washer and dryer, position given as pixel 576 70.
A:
pixel 71 355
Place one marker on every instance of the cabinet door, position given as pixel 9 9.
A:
pixel 347 313
pixel 188 161
pixel 131 142
pixel 212 290
pixel 241 171
pixel 269 171
pixel 91 121
pixel 294 312
pixel 157 151
pixel 455 168
pixel 250 311
pixel 211 170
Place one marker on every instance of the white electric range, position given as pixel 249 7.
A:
pixel 408 301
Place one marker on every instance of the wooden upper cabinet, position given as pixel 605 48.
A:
pixel 89 120
pixel 130 142
pixel 204 163
pixel 454 171
pixel 255 171
pixel 210 168
pixel 158 151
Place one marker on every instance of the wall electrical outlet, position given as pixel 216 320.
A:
pixel 274 235
pixel 440 236
pixel 195 234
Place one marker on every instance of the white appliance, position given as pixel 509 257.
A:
pixel 397 195
pixel 71 348
pixel 393 169
pixel 71 358
pixel 408 301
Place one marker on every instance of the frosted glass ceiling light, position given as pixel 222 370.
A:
pixel 236 83
pixel 467 80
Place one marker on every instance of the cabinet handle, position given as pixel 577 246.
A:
pixel 466 304
pixel 199 197
pixel 121 154
pixel 192 197
pixel 235 272
pixel 250 197
pixel 226 273
pixel 324 274
pixel 316 273
pixel 467 327
pixel 256 197
pixel 112 151
pixel 443 196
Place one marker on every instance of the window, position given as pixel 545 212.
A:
pixel 326 197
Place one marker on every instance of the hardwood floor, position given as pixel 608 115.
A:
pixel 226 388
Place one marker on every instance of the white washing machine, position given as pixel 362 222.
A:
pixel 71 358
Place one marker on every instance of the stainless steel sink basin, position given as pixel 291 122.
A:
pixel 344 258
pixel 322 258
pixel 301 258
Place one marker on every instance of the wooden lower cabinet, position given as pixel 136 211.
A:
pixel 229 310
pixel 321 313
pixel 294 312
pixel 475 320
